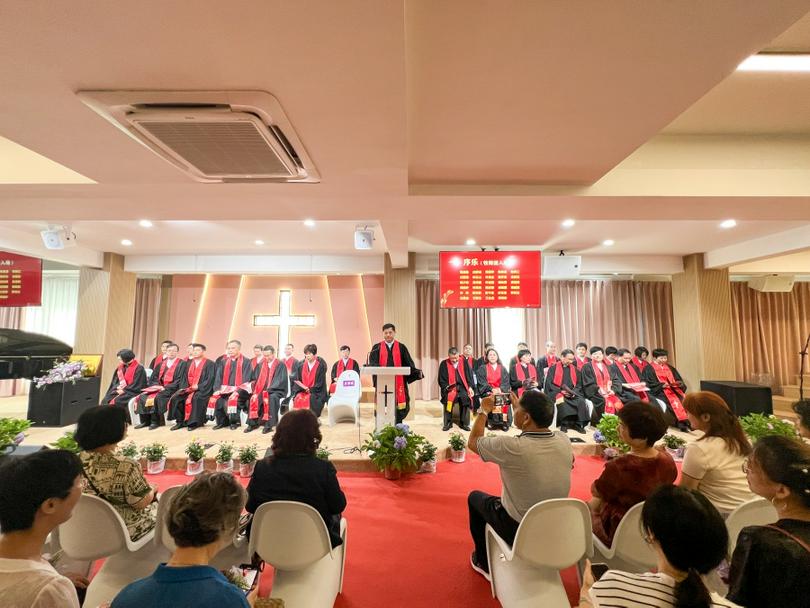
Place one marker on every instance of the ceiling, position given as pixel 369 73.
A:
pixel 436 122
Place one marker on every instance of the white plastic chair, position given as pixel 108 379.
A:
pixel 344 404
pixel 554 534
pixel 661 404
pixel 755 512
pixel 292 537
pixel 132 405
pixel 629 551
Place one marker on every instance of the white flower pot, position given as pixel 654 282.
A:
pixel 458 455
pixel 246 470
pixel 225 467
pixel 429 466
pixel 676 453
pixel 153 467
pixel 195 467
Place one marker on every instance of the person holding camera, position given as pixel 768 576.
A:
pixel 534 466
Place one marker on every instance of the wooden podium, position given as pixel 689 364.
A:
pixel 385 405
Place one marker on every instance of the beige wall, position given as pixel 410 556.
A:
pixel 400 302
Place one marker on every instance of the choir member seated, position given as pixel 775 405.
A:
pixel 309 383
pixel 639 360
pixel 597 386
pixel 690 539
pixel 231 383
pixel 534 466
pixel 611 355
pixel 521 346
pixel 771 564
pixel 155 363
pixel 581 355
pixel 666 384
pixel 626 381
pixel 258 355
pixel 128 380
pixel 493 379
pixel 291 363
pixel 628 479
pixel 802 409
pixel 456 389
pixel 524 376
pixel 118 480
pixel 270 385
pixel 547 360
pixel 189 404
pixel 563 385
pixel 163 383
pixel 202 520
pixel 37 493
pixel 341 365
pixel 482 360
pixel 468 356
pixel 294 472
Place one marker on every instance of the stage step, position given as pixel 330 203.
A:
pixel 783 407
pixel 791 391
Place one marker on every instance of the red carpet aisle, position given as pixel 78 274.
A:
pixel 408 540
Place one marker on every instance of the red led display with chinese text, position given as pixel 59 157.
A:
pixel 20 280
pixel 489 279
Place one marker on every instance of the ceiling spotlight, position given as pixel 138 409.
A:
pixel 608 242
pixel 728 223
pixel 309 223
pixel 126 242
pixel 145 224
pixel 569 223
pixel 470 242
pixel 259 242
pixel 775 62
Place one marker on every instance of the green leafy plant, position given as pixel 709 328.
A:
pixel 607 433
pixel 225 452
pixel 322 453
pixel 673 442
pixel 11 431
pixel 66 442
pixel 757 426
pixel 457 441
pixel 427 452
pixel 248 454
pixel 195 450
pixel 154 452
pixel 129 450
pixel 396 447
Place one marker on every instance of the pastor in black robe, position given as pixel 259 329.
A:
pixel 318 391
pixel 221 415
pixel 276 389
pixel 463 382
pixel 153 415
pixel 657 391
pixel 406 361
pixel 199 400
pixel 572 411
pixel 133 389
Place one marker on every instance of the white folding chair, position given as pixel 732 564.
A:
pixel 292 537
pixel 755 512
pixel 629 551
pixel 661 404
pixel 344 404
pixel 132 405
pixel 553 535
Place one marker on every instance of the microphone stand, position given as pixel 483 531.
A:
pixel 803 355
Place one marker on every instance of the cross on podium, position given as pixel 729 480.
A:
pixel 284 320
pixel 386 392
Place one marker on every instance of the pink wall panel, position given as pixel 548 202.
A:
pixel 374 290
pixel 187 292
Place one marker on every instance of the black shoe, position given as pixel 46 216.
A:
pixel 142 425
pixel 153 426
pixel 234 427
pixel 465 427
pixel 478 567
pixel 505 427
pixel 267 429
pixel 579 428
pixel 447 427
pixel 220 426
pixel 191 427
pixel 249 428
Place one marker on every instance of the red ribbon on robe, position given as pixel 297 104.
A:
pixel 558 375
pixel 289 362
pixel 631 377
pixel 302 400
pixel 193 379
pixel 521 375
pixel 340 370
pixel 451 381
pixel 612 402
pixel 260 391
pixel 550 360
pixel 672 391
pixel 399 381
pixel 233 396
pixel 640 363
pixel 494 377
pixel 126 374
pixel 156 388
pixel 580 362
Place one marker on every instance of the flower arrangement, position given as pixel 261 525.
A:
pixel 154 452
pixel 66 371
pixel 394 447
pixel 225 452
pixel 457 442
pixel 129 450
pixel 195 450
pixel 248 454
pixel 607 434
pixel 11 431
pixel 66 442
pixel 673 442
pixel 322 453
pixel 757 426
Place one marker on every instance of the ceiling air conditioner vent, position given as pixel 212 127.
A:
pixel 215 136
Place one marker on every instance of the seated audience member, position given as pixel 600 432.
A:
pixel 37 493
pixel 116 479
pixel 802 409
pixel 690 539
pixel 666 384
pixel 771 564
pixel 713 465
pixel 202 519
pixel 534 466
pixel 628 479
pixel 293 472
pixel 128 380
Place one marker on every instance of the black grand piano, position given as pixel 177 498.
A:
pixel 28 355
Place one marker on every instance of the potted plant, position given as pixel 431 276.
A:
pixel 394 449
pixel 128 450
pixel 247 459
pixel 427 456
pixel 66 442
pixel 458 445
pixel 11 433
pixel 224 457
pixel 675 446
pixel 155 454
pixel 195 463
pixel 757 426
pixel 607 435
pixel 322 453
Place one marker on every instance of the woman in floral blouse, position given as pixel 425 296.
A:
pixel 116 479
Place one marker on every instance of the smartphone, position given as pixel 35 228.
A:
pixel 597 570
pixel 251 576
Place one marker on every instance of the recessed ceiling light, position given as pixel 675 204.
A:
pixel 775 62
pixel 470 242
pixel 608 242
pixel 126 242
pixel 309 223
pixel 569 223
pixel 728 223
pixel 259 242
pixel 615 274
pixel 145 224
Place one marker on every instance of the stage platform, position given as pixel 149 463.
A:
pixel 342 440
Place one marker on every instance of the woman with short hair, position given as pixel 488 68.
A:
pixel 802 409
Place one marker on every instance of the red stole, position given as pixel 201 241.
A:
pixel 126 374
pixel 673 392
pixel 289 362
pixel 193 379
pixel 494 376
pixel 550 360
pixel 165 376
pixel 640 364
pixel 521 375
pixel 254 362
pixel 260 390
pixel 451 381
pixel 630 377
pixel 340 370
pixel 612 403
pixel 558 375
pixel 580 362
pixel 233 396
pixel 399 390
pixel 302 400
pixel 158 360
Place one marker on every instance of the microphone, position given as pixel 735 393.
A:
pixel 803 355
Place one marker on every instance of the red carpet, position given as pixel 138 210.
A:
pixel 409 542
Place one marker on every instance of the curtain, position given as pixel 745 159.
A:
pixel 12 318
pixel 438 329
pixel 769 331
pixel 603 312
pixel 145 326
pixel 60 301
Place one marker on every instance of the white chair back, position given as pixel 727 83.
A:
pixel 95 530
pixel 347 387
pixel 628 541
pixel 289 535
pixel 554 533
pixel 755 512
pixel 162 536
pixel 132 405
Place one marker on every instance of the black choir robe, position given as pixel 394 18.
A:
pixel 513 362
pixel 291 364
pixel 161 398
pixel 276 388
pixel 572 409
pixel 625 394
pixel 542 364
pixel 221 407
pixel 462 396
pixel 479 363
pixel 485 389
pixel 318 392
pixel 591 389
pixel 407 361
pixel 155 363
pixel 199 401
pixel 657 389
pixel 353 365
pixel 133 389
pixel 516 383
pixel 640 366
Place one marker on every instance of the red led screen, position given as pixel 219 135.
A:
pixel 489 279
pixel 20 280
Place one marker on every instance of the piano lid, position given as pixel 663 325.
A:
pixel 16 343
